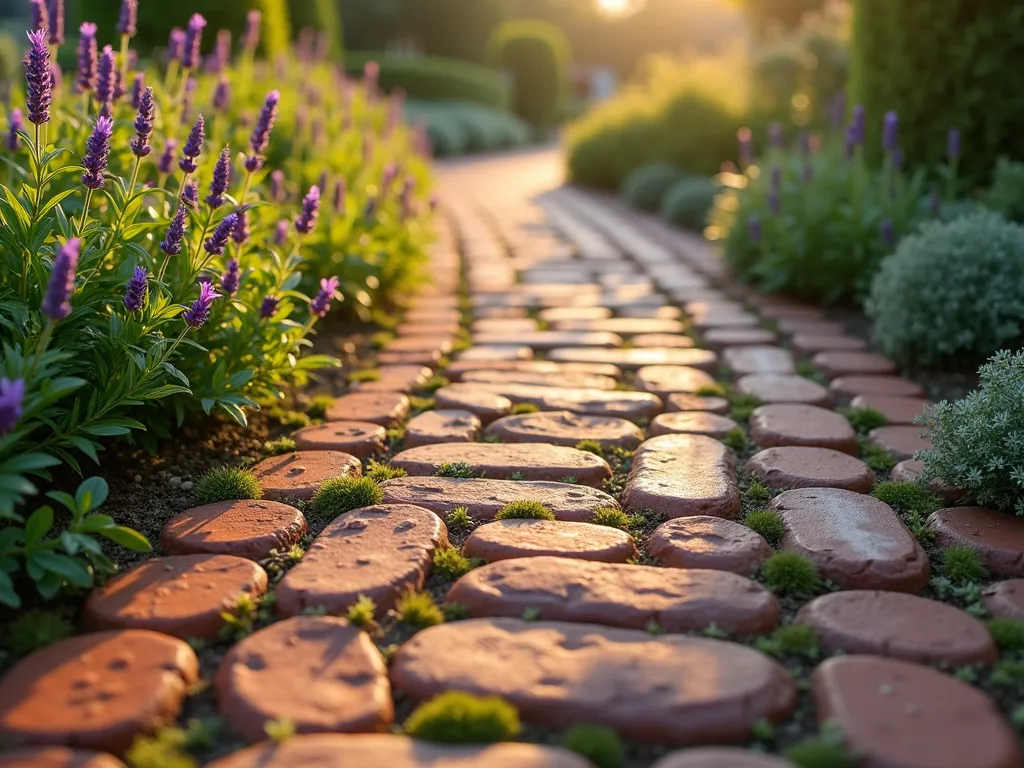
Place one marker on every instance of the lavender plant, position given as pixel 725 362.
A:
pixel 126 301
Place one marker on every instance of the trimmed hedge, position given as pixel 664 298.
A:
pixel 434 79
pixel 688 202
pixel 157 20
pixel 537 55
pixel 645 186
pixel 943 64
pixel 459 128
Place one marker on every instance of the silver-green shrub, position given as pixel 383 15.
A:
pixel 1006 196
pixel 645 187
pixel 687 202
pixel 978 442
pixel 951 294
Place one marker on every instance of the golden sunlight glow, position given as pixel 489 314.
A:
pixel 615 7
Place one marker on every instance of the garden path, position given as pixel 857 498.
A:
pixel 698 403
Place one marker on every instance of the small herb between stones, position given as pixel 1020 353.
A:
pixel 570 480
pixel 863 420
pixel 962 563
pixel 241 619
pixel 421 404
pixel 597 743
pixel 1007 633
pixel 736 439
pixel 530 613
pixel 380 473
pixel 758 493
pixel 1007 673
pixel 521 409
pixel 461 718
pixel 876 457
pixel 286 418
pixel 362 612
pixel 227 484
pixel 317 409
pixel 791 574
pixel 381 339
pixel 37 629
pixel 913 502
pixel 452 564
pixel 279 446
pixel 164 749
pixel 364 375
pixel 280 731
pixel 613 517
pixel 455 612
pixel 458 519
pixel 456 469
pixel 768 523
pixel 741 406
pixel 343 494
pixel 591 446
pixel 434 383
pixel 517 477
pixel 653 628
pixel 711 390
pixel 524 510
pixel 418 609
pixel 826 750
pixel 792 640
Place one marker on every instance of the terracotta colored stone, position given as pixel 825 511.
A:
pixel 444 426
pixel 812 344
pixel 720 757
pixel 486 406
pixel 783 308
pixel 904 715
pixel 495 353
pixel 563 379
pixel 484 498
pixel 652 688
pixel 887 386
pixel 429 357
pixel 692 423
pixel 385 751
pixel 96 691
pixel 487 325
pixel 855 540
pixel 998 537
pixel 747 361
pixel 555 314
pixel 534 461
pixel 710 543
pixel 722 318
pixel 664 380
pixel 245 528
pixel 682 476
pixel 380 552
pixel 564 428
pixel 510 539
pixel 395 378
pixel 908 472
pixel 552 339
pixel 58 757
pixel 618 595
pixel 1005 599
pixel 296 476
pixel 384 408
pixel 807 425
pixel 662 340
pixel 319 672
pixel 631 359
pixel 651 312
pixel 799 325
pixel 358 438
pixel 901 442
pixel 773 388
pixel 684 402
pixel 834 364
pixel 897 410
pixel 897 625
pixel 439 314
pixel 456 370
pixel 437 328
pixel 801 467
pixel 181 595
pixel 623 326
pixel 593 402
pixel 425 342
pixel 723 338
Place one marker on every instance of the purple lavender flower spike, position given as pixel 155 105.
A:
pixel 231 277
pixel 321 305
pixel 222 95
pixel 38 78
pixel 221 51
pixel 324 180
pixel 176 44
pixel 305 222
pixel 171 244
pixel 57 301
pixel 138 85
pixel 277 186
pixel 97 151
pixel 888 234
pixel 754 228
pixel 105 76
pixel 281 231
pixel 261 133
pixel 251 38
pixel 269 306
pixel 56 10
pixel 221 179
pixel 13 139
pixel 40 15
pixel 143 125
pixel 849 142
pixel 190 194
pixel 193 41
pixel 167 158
pixel 890 132
pixel 859 125
pixel 775 135
pixel 338 200
pixel 241 234
pixel 196 315
pixel 136 290
pixel 88 55
pixel 126 22
pixel 897 158
pixel 12 398
pixel 216 242
pixel 193 146
pixel 953 144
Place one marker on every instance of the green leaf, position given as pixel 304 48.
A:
pixel 105 430
pixel 127 538
pixel 38 525
pixel 8 596
pixel 28 462
pixel 166 391
pixel 235 413
pixel 91 494
pixel 86 446
pixel 96 522
pixel 68 567
pixel 65 499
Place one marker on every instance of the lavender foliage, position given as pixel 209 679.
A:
pixel 57 301
pixel 136 290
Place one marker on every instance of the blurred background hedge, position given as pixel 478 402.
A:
pixel 536 55
pixel 432 78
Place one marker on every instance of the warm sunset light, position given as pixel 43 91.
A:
pixel 616 7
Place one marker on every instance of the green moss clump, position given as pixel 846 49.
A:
pixel 318 407
pixel 228 484
pixel 768 523
pixel 343 494
pixel 863 420
pixel 452 564
pixel 591 446
pixel 792 640
pixel 362 612
pixel 826 750
pixel 279 446
pixel 37 629
pixel 461 718
pixel 381 339
pixel 520 409
pixel 712 390
pixel 791 574
pixel 364 374
pixel 524 510
pixel 613 517
pixel 1008 634
pixel 458 519
pixel 736 439
pixel 380 473
pixel 758 492
pixel 962 563
pixel 419 610
pixel 600 745
pixel 876 457
pixel 434 383
pixel 286 418
pixel 456 469
pixel 742 406
pixel 908 498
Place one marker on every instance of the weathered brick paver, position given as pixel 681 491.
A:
pixel 711 543
pixel 244 528
pixel 559 379
pixel 664 380
pixel 771 388
pixel 807 425
pixel 631 359
pixel 57 757
pixel 897 410
pixel 530 461
pixel 747 361
pixel 486 406
pixel 510 539
pixel 693 423
pixel 444 426
pixel 564 428
pixel 685 402
pixel 593 402
pixel 803 467
pixel 901 442
pixel 1005 599
pixel 359 438
pixel 997 537
pixel 296 476
pixel 720 757
pixel 669 689
pixel 886 386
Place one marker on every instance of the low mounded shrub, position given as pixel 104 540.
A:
pixel 645 187
pixel 687 202
pixel 536 54
pixel 461 718
pixel 1006 196
pixel 599 744
pixel 953 293
pixel 978 442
